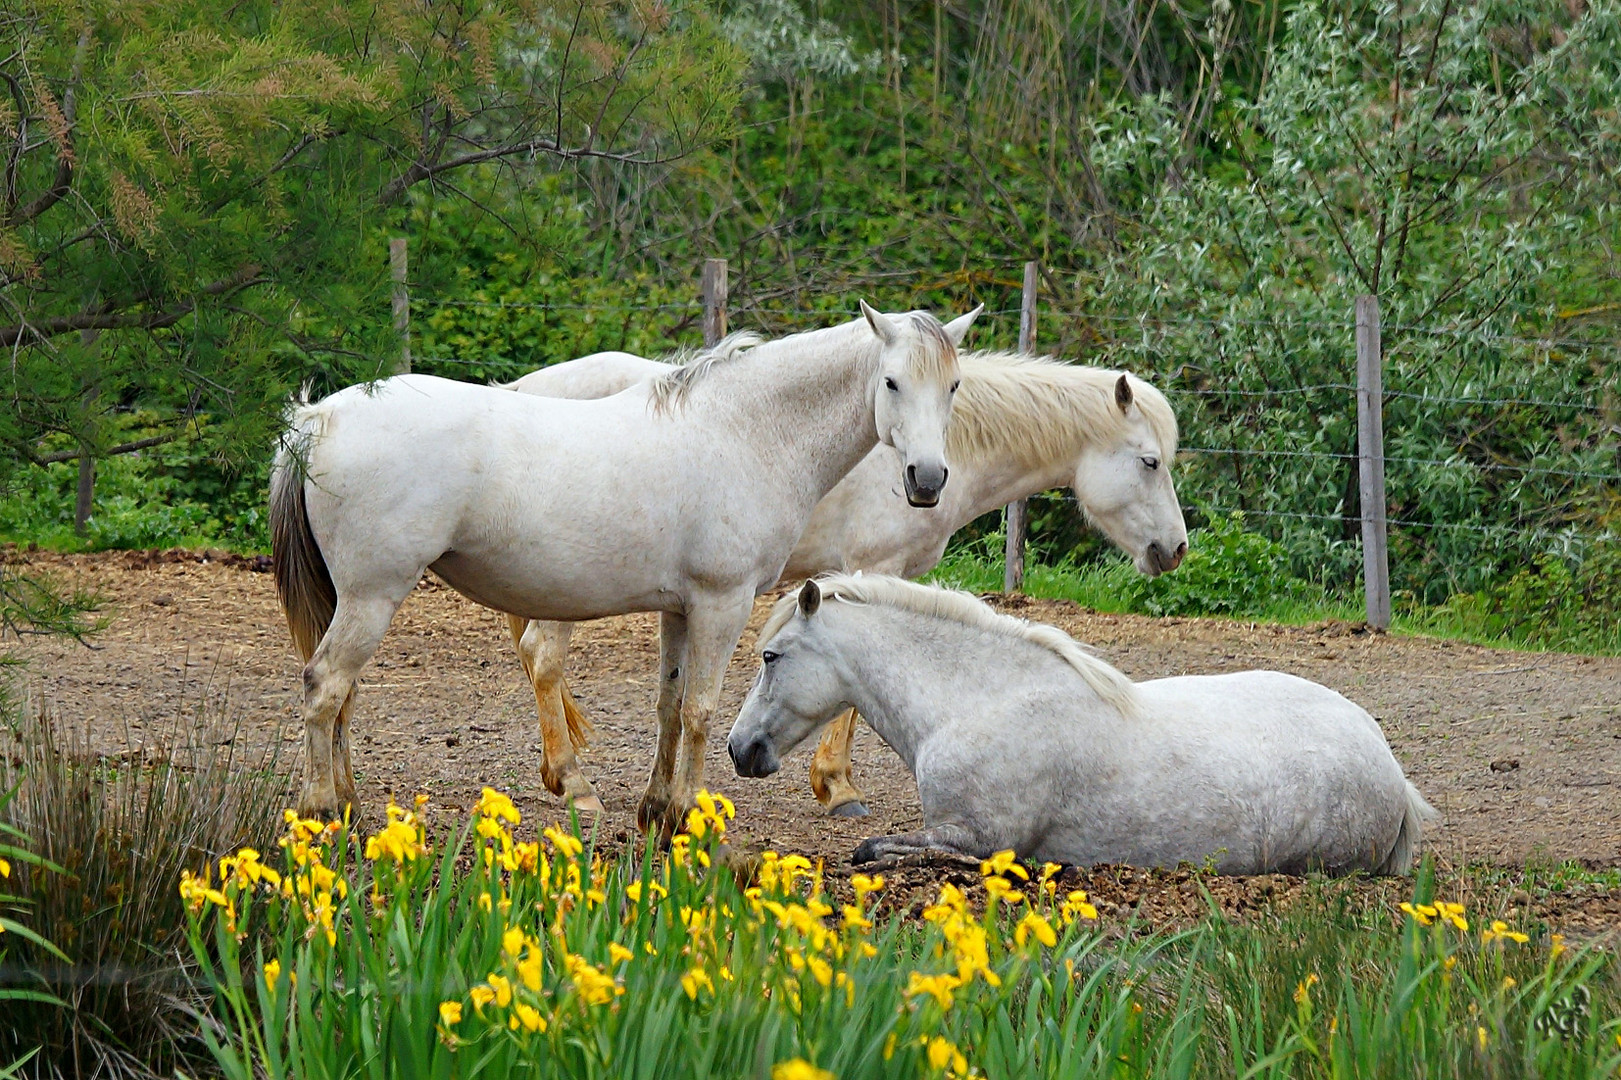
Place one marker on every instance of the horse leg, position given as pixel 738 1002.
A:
pixel 357 629
pixel 672 687
pixel 344 768
pixel 830 769
pixel 712 634
pixel 949 836
pixel 542 648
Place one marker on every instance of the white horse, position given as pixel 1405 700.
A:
pixel 1021 425
pixel 683 496
pixel 1021 739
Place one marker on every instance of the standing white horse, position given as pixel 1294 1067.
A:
pixel 682 496
pixel 1020 425
pixel 1021 739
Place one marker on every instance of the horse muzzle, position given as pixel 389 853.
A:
pixel 924 484
pixel 753 759
pixel 1162 561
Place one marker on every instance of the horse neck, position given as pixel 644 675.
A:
pixel 992 483
pixel 806 402
pixel 903 666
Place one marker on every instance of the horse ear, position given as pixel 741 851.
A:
pixel 957 328
pixel 1122 393
pixel 810 598
pixel 881 324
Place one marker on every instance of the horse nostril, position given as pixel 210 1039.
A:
pixel 1181 550
pixel 945 474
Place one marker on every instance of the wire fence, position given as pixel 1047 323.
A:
pixel 1562 469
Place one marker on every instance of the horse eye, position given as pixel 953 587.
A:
pixel 890 384
pixel 955 385
pixel 770 657
pixel 1151 462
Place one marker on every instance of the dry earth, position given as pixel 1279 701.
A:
pixel 1520 751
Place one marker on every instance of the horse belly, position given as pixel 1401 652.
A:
pixel 1282 773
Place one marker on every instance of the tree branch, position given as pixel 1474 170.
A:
pixel 419 171
pixel 121 448
pixel 109 319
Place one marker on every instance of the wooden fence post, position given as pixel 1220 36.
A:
pixel 1018 512
pixel 1371 460
pixel 714 301
pixel 402 303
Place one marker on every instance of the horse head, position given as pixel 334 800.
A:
pixel 799 688
pixel 916 380
pixel 1125 484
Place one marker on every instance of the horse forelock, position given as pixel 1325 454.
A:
pixel 954 605
pixel 668 391
pixel 1042 409
pixel 933 355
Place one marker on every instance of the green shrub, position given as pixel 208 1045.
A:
pixel 1554 602
pixel 1227 571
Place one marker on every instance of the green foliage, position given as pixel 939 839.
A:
pixel 1227 571
pixel 111 993
pixel 199 194
pixel 1209 187
pixel 1550 601
pixel 478 953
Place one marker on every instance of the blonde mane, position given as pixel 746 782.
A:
pixel 933 356
pixel 1033 407
pixel 952 605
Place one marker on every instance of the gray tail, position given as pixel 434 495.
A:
pixel 303 582
pixel 1402 852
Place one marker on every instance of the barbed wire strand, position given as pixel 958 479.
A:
pixel 1497 532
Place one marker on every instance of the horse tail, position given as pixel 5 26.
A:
pixel 303 583
pixel 1416 812
pixel 579 728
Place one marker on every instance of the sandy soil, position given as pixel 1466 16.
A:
pixel 1520 751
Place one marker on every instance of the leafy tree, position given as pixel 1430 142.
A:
pixel 195 194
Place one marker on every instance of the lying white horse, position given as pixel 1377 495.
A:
pixel 1020 425
pixel 1021 739
pixel 683 496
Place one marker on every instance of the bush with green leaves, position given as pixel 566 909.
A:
pixel 1228 570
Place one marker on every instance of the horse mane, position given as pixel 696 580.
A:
pixel 671 389
pixel 1032 406
pixel 954 605
pixel 933 356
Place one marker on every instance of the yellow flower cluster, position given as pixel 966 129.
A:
pixel 1440 911
pixel 402 840
pixel 1499 931
pixel 311 882
pixel 517 996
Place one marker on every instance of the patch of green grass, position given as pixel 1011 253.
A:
pixel 1231 573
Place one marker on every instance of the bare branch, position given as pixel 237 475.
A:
pixel 419 171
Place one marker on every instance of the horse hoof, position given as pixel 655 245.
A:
pixel 650 812
pixel 855 808
pixel 588 804
pixel 866 852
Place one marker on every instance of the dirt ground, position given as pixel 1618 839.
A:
pixel 1520 751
